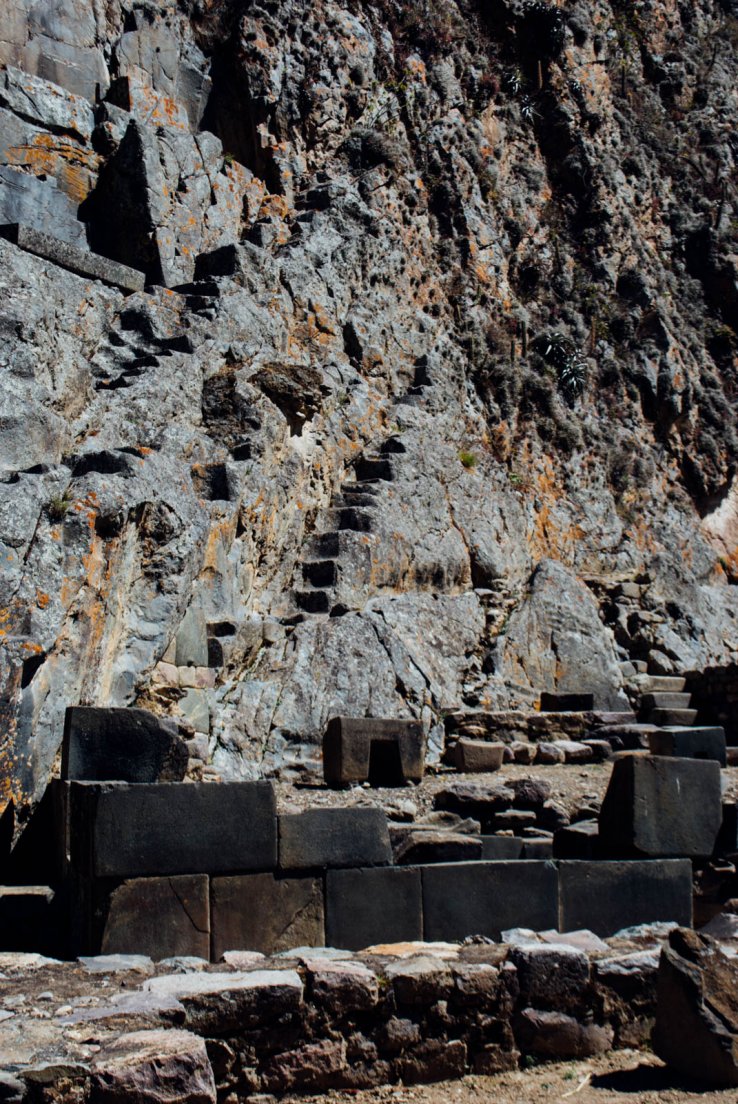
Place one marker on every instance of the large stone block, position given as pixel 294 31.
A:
pixel 382 751
pixel 116 830
pixel 158 917
pixel 29 919
pixel 76 259
pixel 606 897
pixel 485 898
pixel 377 905
pixel 321 838
pixel 478 756
pixel 689 743
pixel 661 807
pixel 121 745
pixel 26 200
pixel 262 912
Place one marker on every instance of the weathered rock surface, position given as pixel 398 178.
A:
pixel 696 1029
pixel 358 215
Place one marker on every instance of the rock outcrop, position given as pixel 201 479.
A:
pixel 426 404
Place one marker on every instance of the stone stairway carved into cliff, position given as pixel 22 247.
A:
pixel 133 346
pixel 352 511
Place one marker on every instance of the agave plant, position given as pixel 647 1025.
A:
pixel 569 363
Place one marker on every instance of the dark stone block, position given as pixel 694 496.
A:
pixel 427 846
pixel 383 752
pixel 76 259
pixel 659 807
pixel 484 898
pixel 378 905
pixel 578 841
pixel 116 830
pixel 566 703
pixel 158 917
pixel 29 920
pixel 262 912
pixel 689 743
pixel 121 745
pixel 727 841
pixel 501 847
pixel 541 849
pixel 321 838
pixel 609 896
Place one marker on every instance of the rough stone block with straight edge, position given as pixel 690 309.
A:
pixel 485 898
pixel 377 905
pixel 116 830
pixel 689 743
pixel 263 912
pixel 659 807
pixel 322 838
pixel 501 847
pixel 121 745
pixel 478 756
pixel 158 917
pixel 77 260
pixel 606 897
pixel 378 750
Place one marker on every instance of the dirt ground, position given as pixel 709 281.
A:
pixel 622 1077
pixel 573 785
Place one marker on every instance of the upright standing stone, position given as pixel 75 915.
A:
pixel 378 905
pixel 485 898
pixel 660 807
pixel 158 917
pixel 606 897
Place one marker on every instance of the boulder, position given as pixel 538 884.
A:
pixel 696 1031
pixel 154 1067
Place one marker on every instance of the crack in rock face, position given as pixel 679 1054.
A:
pixel 365 360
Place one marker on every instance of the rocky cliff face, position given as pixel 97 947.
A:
pixel 428 402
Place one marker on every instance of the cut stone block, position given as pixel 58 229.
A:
pixel 609 896
pixel 566 703
pixel 76 259
pixel 689 743
pixel 124 831
pixel 668 717
pixel 477 756
pixel 121 745
pixel 484 898
pixel 661 807
pixel 26 200
pixel 27 919
pixel 541 849
pixel 158 917
pixel 430 846
pixel 501 847
pixel 321 838
pixel 380 751
pixel 263 912
pixel 665 700
pixel 578 841
pixel 377 905
pixel 727 841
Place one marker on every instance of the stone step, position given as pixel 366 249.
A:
pixel 325 545
pixel 629 737
pixel 354 498
pixel 313 601
pixel 668 717
pixel 372 468
pixel 360 521
pixel 657 684
pixel 356 486
pixel 320 573
pixel 664 700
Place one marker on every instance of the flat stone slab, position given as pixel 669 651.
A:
pixel 261 912
pixel 484 898
pixel 376 905
pixel 75 259
pixel 566 703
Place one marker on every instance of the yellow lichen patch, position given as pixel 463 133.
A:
pixel 42 600
pixel 73 167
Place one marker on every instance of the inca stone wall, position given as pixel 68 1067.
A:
pixel 426 405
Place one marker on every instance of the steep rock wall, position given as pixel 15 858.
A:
pixel 439 293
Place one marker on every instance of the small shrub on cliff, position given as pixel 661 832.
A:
pixel 468 459
pixel 57 507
